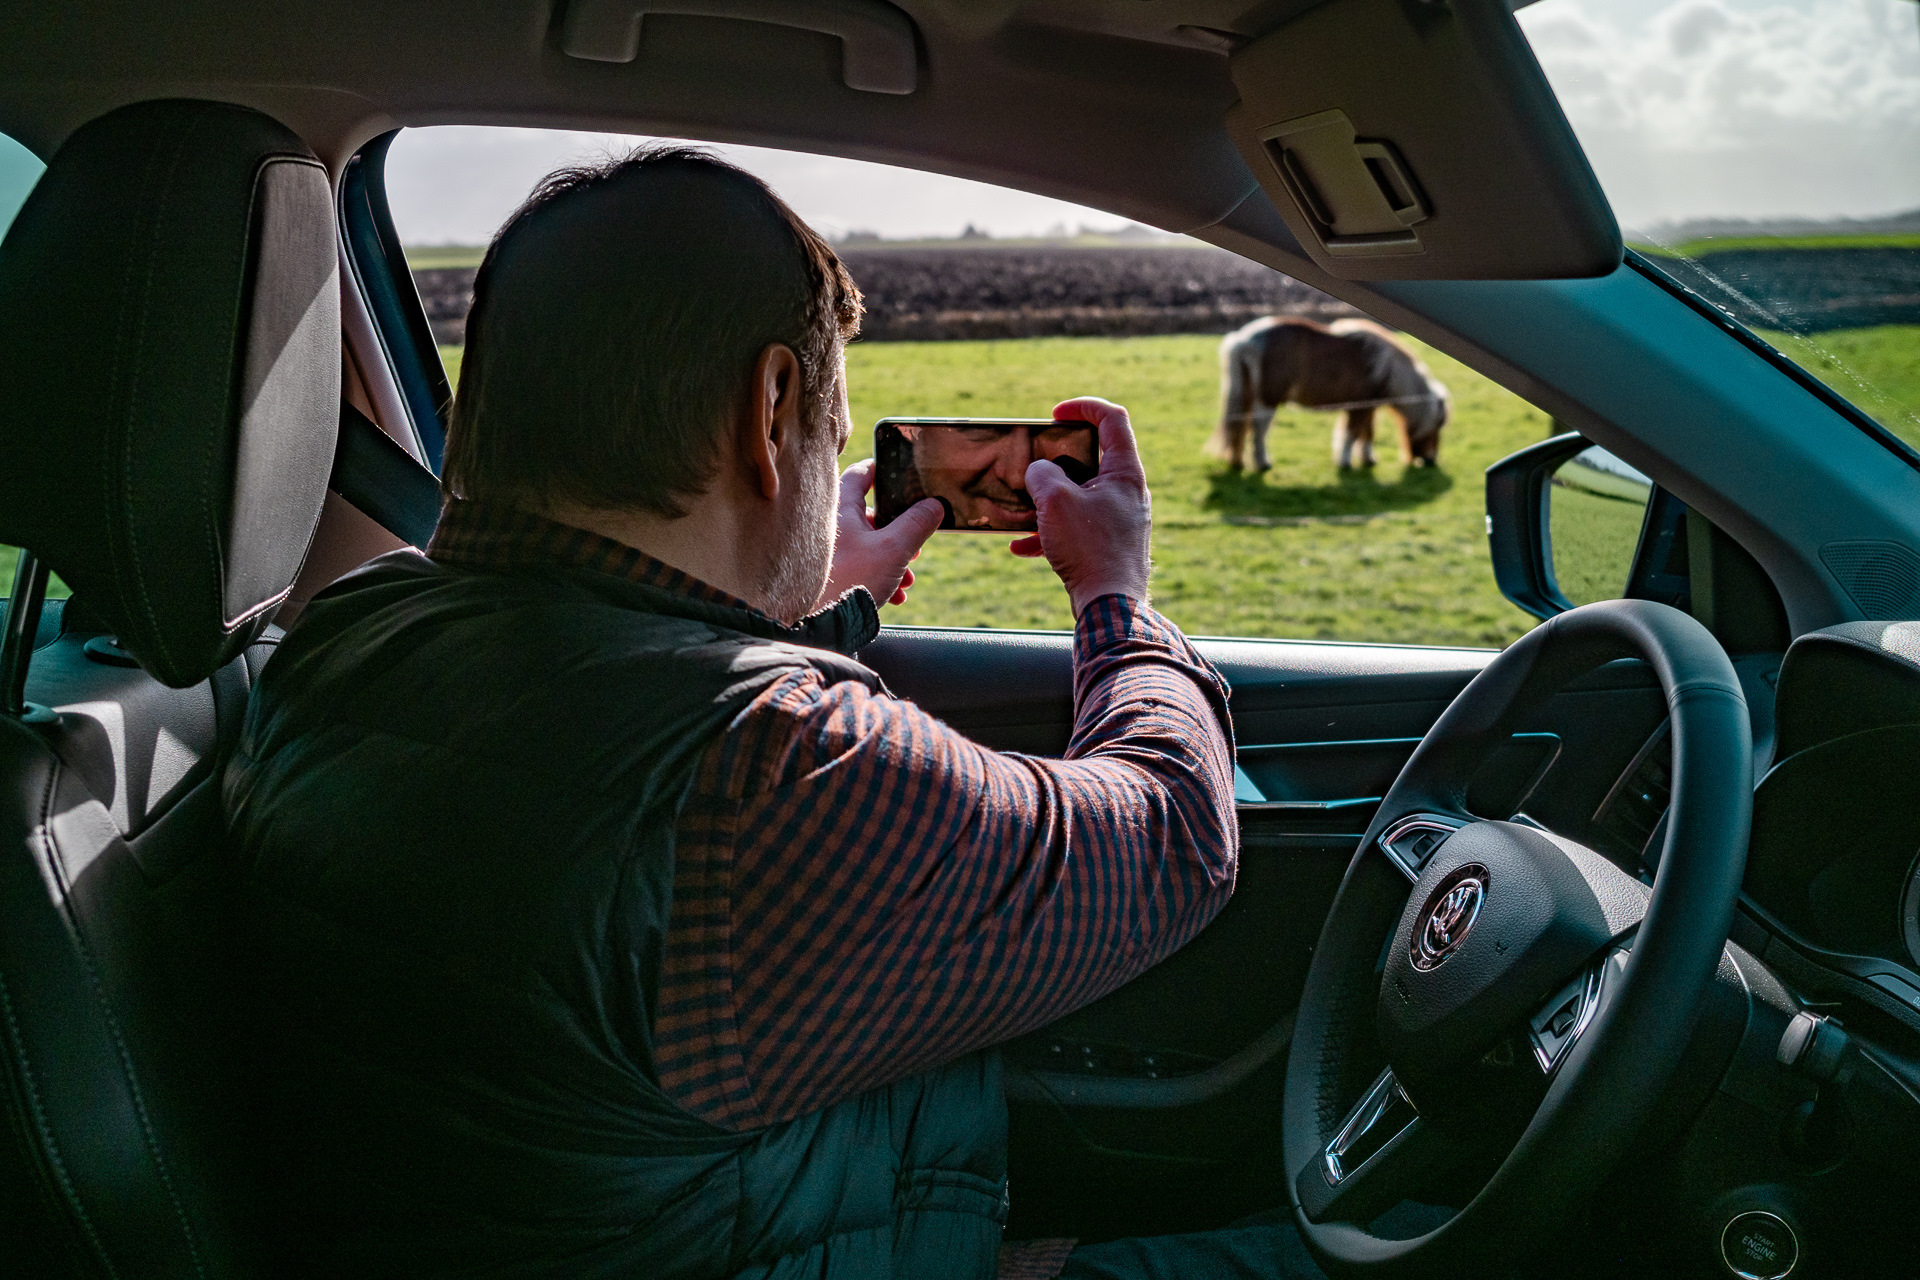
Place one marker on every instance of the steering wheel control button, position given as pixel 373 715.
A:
pixel 1553 1028
pixel 1450 916
pixel 1758 1245
pixel 1561 1019
pixel 1376 1120
pixel 1411 842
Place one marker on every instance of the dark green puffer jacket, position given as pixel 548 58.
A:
pixel 455 803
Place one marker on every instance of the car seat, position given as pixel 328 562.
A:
pixel 170 368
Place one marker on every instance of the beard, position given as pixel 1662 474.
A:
pixel 799 575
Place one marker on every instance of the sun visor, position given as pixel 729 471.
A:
pixel 1417 140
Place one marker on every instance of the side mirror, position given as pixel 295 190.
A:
pixel 1568 523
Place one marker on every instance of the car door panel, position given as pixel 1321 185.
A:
pixel 1156 1106
pixel 1013 690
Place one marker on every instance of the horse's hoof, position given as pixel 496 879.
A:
pixel 1262 469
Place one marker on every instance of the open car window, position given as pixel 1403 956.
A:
pixel 983 302
pixel 1766 155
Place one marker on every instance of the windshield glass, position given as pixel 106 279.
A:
pixel 1766 154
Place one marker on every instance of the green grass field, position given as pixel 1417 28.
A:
pixel 1878 369
pixel 1390 554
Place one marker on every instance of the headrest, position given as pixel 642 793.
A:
pixel 170 374
pixel 1843 679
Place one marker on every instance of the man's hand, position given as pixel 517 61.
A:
pixel 1094 535
pixel 876 559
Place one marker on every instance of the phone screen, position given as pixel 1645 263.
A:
pixel 975 467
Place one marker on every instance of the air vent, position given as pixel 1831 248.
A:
pixel 1882 577
pixel 1631 813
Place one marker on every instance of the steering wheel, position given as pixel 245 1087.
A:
pixel 1533 999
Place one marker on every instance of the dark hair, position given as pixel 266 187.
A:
pixel 615 323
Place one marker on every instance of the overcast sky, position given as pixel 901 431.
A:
pixel 1754 108
pixel 1687 109
pixel 454 185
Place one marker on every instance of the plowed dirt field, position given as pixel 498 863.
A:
pixel 1042 291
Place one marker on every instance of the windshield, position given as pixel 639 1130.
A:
pixel 1766 154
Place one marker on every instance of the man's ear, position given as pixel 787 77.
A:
pixel 773 423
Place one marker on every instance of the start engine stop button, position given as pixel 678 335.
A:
pixel 1759 1246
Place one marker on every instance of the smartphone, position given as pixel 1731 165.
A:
pixel 975 467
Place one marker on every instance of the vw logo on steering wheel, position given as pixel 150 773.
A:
pixel 1451 911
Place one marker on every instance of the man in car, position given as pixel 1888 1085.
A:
pixel 614 919
pixel 978 472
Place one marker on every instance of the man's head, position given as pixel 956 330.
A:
pixel 628 321
pixel 979 473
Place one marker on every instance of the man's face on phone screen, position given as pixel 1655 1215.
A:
pixel 980 472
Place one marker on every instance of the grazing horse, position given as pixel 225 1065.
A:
pixel 1350 366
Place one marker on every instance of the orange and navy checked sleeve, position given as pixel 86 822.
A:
pixel 861 892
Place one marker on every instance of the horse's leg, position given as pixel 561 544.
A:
pixel 1262 419
pixel 1360 428
pixel 1406 443
pixel 1230 440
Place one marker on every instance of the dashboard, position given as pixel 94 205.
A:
pixel 1833 872
pixel 1825 950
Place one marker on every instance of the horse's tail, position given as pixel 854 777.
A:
pixel 1239 384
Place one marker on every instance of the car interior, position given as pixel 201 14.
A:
pixel 1702 1055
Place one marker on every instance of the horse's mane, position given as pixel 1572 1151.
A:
pixel 1403 374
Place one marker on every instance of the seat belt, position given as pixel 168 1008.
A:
pixel 382 480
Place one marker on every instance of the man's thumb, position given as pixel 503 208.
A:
pixel 912 527
pixel 1045 479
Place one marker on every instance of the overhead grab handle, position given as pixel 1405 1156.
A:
pixel 876 39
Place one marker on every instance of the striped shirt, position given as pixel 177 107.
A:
pixel 860 892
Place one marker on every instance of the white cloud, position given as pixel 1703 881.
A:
pixel 1741 108
pixel 456 184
